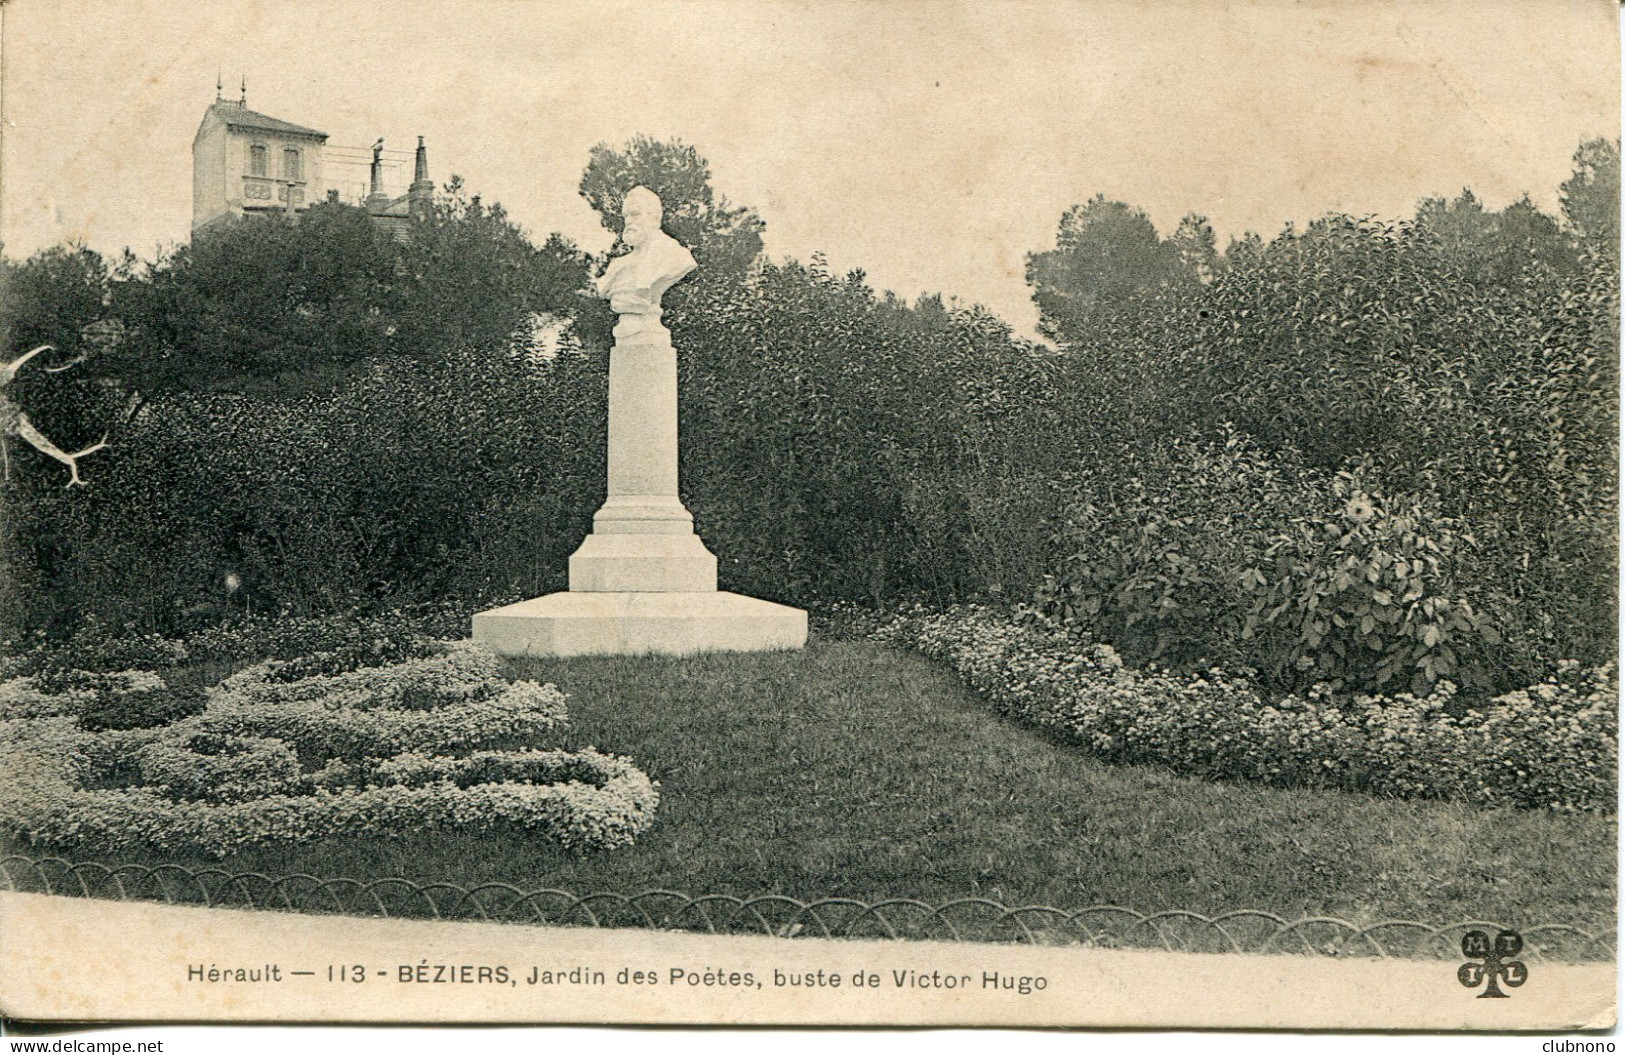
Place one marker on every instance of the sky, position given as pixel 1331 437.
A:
pixel 932 143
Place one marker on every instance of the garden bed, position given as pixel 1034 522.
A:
pixel 1552 746
pixel 335 745
pixel 862 771
pixel 859 770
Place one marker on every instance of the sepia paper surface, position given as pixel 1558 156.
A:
pixel 155 961
pixel 889 136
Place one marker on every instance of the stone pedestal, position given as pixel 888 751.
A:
pixel 642 539
pixel 630 624
pixel 642 582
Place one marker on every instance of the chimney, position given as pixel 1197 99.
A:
pixel 375 191
pixel 420 195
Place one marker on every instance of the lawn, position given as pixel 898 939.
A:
pixel 856 770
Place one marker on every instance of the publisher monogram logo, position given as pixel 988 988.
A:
pixel 1498 966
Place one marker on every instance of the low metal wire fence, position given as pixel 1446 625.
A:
pixel 974 919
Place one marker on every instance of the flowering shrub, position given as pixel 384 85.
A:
pixel 344 658
pixel 289 751
pixel 95 646
pixel 1550 746
pixel 520 710
pixel 50 808
pixel 1157 558
pixel 86 671
pixel 1364 598
pixel 26 697
pixel 387 671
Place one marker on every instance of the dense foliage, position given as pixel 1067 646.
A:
pixel 1463 366
pixel 1370 455
pixel 833 443
pixel 458 478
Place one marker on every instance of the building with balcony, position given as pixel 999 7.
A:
pixel 246 163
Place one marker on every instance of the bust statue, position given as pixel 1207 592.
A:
pixel 634 283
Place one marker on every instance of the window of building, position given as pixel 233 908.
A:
pixel 290 164
pixel 256 160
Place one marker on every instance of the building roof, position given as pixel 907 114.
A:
pixel 395 207
pixel 236 115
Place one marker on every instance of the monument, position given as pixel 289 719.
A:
pixel 642 582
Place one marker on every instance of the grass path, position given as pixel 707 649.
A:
pixel 856 770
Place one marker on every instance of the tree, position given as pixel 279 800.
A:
pixel 725 239
pixel 1494 246
pixel 59 297
pixel 1106 254
pixel 1462 221
pixel 1197 246
pixel 56 297
pixel 471 279
pixel 260 304
pixel 1250 246
pixel 1591 196
pixel 279 306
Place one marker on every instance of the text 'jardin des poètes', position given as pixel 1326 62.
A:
pixel 427 973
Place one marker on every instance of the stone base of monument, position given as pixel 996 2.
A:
pixel 643 564
pixel 631 624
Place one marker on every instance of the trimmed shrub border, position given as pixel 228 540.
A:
pixel 454 697
pixel 27 697
pixel 51 808
pixel 1550 746
pixel 231 777
pixel 218 767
